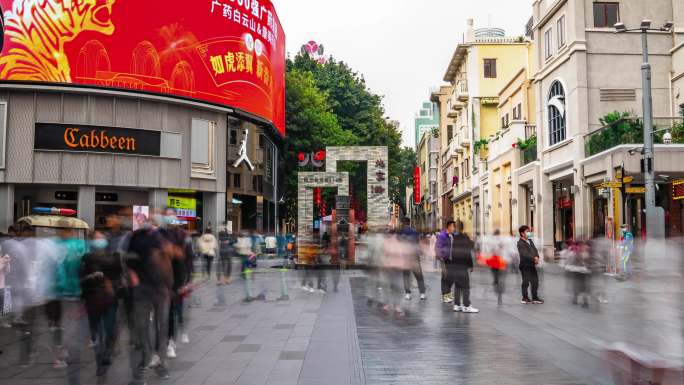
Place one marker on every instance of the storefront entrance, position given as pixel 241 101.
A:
pixel 563 212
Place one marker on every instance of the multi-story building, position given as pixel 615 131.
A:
pixel 512 150
pixel 427 209
pixel 480 67
pixel 585 71
pixel 426 120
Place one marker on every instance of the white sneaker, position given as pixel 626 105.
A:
pixel 407 297
pixel 305 288
pixel 155 361
pixel 322 291
pixel 184 338
pixel 470 309
pixel 447 299
pixel 312 290
pixel 171 350
pixel 458 308
pixel 423 297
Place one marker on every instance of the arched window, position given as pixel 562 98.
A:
pixel 556 113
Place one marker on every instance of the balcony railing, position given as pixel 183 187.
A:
pixel 462 89
pixel 529 154
pixel 630 130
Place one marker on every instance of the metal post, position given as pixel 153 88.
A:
pixel 649 176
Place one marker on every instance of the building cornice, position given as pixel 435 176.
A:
pixel 558 60
pixel 549 14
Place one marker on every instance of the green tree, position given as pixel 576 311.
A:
pixel 360 112
pixel 311 125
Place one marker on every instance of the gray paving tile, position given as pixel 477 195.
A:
pixel 247 348
pixel 284 326
pixel 233 338
pixel 206 328
pixel 292 355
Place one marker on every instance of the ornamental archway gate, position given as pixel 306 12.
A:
pixel 378 215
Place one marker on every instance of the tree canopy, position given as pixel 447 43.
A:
pixel 330 105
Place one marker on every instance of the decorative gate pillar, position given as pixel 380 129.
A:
pixel 306 183
pixel 378 216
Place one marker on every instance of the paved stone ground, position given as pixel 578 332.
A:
pixel 337 338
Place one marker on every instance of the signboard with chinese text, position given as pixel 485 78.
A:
pixel 611 185
pixel 225 52
pixel 636 190
pixel 185 208
pixel 678 189
pixel 416 185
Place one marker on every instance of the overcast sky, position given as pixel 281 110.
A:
pixel 402 47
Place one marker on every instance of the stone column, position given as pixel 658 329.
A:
pixel 214 210
pixel 6 206
pixel 158 200
pixel 86 205
pixel 545 207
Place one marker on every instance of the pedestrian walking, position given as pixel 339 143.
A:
pixel 226 251
pixel 208 245
pixel 443 248
pixel 458 266
pixel 151 276
pixel 411 243
pixel 101 274
pixel 529 259
pixel 497 263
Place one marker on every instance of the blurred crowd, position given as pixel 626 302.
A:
pixel 75 289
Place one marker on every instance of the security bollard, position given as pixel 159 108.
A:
pixel 284 296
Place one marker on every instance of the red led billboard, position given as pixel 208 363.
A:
pixel 227 52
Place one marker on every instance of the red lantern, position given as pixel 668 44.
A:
pixel 301 156
pixel 319 156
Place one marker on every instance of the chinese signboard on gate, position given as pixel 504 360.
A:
pixel 227 52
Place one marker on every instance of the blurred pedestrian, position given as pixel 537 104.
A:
pixel 101 274
pixel 226 251
pixel 497 264
pixel 529 259
pixel 459 265
pixel 411 243
pixel 208 245
pixel 151 277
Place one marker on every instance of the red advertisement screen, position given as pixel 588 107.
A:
pixel 228 52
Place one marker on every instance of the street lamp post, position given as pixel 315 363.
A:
pixel 648 152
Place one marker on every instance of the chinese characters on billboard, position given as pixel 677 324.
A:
pixel 227 52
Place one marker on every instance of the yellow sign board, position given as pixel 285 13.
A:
pixel 628 179
pixel 677 182
pixel 636 190
pixel 618 174
pixel 182 203
pixel 611 185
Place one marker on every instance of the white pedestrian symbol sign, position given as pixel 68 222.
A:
pixel 243 153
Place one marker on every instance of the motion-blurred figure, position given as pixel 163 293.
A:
pixel 151 277
pixel 101 275
pixel 411 243
pixel 208 245
pixel 458 266
pixel 495 249
pixel 226 251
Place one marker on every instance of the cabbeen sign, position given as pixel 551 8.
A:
pixel 85 138
pixel 225 52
